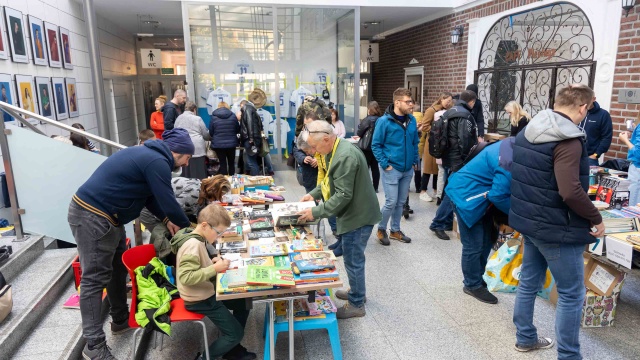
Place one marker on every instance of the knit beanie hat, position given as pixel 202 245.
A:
pixel 473 87
pixel 178 141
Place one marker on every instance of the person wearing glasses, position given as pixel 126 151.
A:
pixel 395 146
pixel 196 275
pixel 348 195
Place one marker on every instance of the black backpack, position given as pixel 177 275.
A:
pixel 365 141
pixel 438 136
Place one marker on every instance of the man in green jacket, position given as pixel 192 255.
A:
pixel 349 195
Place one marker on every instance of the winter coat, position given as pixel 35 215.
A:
pixel 367 122
pixel 599 130
pixel 197 129
pixel 309 173
pixel 429 165
pixel 479 116
pixel 462 135
pixel 224 129
pixel 155 293
pixel 537 209
pixel 483 181
pixel 393 143
pixel 157 124
pixel 170 113
pixel 250 125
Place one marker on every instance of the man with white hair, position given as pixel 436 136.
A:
pixel 173 109
pixel 348 194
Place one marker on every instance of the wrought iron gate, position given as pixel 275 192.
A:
pixel 528 56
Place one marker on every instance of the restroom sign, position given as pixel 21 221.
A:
pixel 151 58
pixel 369 52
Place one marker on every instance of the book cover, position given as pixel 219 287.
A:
pixel 222 288
pixel 307 244
pixel 307 255
pixel 234 246
pixel 254 235
pixel 315 265
pixel 323 274
pixel 268 250
pixel 234 278
pixel 258 261
pixel 270 275
pixel 235 212
pixel 255 214
pixel 287 214
pixel 233 232
pixel 282 261
pixel 322 305
pixel 261 223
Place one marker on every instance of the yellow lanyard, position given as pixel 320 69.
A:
pixel 324 185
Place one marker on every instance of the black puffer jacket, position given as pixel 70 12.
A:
pixel 224 129
pixel 462 134
pixel 370 120
pixel 250 125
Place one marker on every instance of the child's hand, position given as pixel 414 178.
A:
pixel 221 265
pixel 216 259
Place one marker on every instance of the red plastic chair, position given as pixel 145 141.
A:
pixel 140 256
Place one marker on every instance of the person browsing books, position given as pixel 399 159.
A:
pixel 196 276
pixel 349 195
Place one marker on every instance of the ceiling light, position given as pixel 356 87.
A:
pixel 159 44
pixel 144 35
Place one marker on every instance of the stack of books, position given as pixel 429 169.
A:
pixel 620 221
pixel 304 310
pixel 314 267
pixel 235 281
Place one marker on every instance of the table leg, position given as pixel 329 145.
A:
pixel 272 340
pixel 291 332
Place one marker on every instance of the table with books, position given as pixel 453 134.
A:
pixel 277 261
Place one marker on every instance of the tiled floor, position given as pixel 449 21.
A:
pixel 416 309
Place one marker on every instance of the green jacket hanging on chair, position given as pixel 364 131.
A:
pixel 155 292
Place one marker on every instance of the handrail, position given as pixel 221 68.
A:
pixel 16 112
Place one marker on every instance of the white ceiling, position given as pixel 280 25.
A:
pixel 169 14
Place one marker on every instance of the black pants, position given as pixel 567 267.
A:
pixel 424 183
pixel 227 158
pixel 375 171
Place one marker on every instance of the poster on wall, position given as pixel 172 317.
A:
pixel 7 94
pixel 43 89
pixel 66 48
pixel 4 46
pixel 15 29
pixel 59 98
pixel 53 46
pixel 37 41
pixel 27 95
pixel 73 98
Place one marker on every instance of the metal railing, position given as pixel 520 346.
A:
pixel 18 114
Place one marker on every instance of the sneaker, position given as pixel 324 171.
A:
pixel 441 234
pixel 239 352
pixel 425 197
pixel 337 252
pixel 335 245
pixel 117 329
pixel 383 238
pixel 400 236
pixel 344 295
pixel 482 294
pixel 100 352
pixel 348 311
pixel 542 343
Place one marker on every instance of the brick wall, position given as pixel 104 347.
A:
pixel 627 75
pixel 445 64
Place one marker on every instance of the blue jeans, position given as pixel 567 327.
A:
pixel 476 246
pixel 396 189
pixel 634 186
pixel 444 214
pixel 566 264
pixel 354 243
pixel 251 162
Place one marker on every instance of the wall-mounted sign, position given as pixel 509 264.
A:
pixel 167 71
pixel 369 52
pixel 629 96
pixel 151 58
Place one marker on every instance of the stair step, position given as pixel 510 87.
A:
pixel 34 290
pixel 24 253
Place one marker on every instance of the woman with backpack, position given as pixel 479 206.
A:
pixel 365 130
pixel 429 166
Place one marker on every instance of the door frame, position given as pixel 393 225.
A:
pixel 412 71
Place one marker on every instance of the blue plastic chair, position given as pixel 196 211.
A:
pixel 330 323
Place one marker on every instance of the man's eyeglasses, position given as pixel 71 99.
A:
pixel 305 128
pixel 219 233
pixel 408 102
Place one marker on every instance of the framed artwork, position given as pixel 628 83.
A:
pixel 45 98
pixel 7 94
pixel 72 96
pixel 53 46
pixel 15 29
pixel 37 41
pixel 59 98
pixel 4 46
pixel 66 48
pixel 26 94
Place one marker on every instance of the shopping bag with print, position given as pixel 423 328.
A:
pixel 502 272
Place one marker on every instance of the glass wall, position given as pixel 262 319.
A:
pixel 287 52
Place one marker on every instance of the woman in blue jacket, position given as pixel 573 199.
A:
pixel 224 129
pixel 633 155
pixel 483 182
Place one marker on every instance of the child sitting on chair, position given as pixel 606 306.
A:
pixel 196 278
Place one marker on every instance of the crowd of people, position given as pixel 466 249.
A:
pixel 534 181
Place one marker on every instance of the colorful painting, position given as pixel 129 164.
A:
pixel 37 41
pixel 6 94
pixel 45 98
pixel 53 45
pixel 26 94
pixel 60 98
pixel 16 35
pixel 66 48
pixel 72 96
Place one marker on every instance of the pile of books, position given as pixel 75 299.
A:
pixel 312 267
pixel 620 221
pixel 304 310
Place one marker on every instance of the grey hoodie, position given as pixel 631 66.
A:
pixel 548 126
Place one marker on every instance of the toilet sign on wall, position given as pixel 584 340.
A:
pixel 369 52
pixel 151 58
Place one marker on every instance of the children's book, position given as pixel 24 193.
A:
pixel 287 214
pixel 282 261
pixel 258 261
pixel 261 223
pixel 255 214
pixel 222 285
pixel 324 274
pixel 308 255
pixel 314 265
pixel 235 212
pixel 254 235
pixel 270 275
pixel 234 278
pixel 322 305
pixel 307 244
pixel 269 250
pixel 233 232
pixel 234 246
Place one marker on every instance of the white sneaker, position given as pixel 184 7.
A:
pixel 425 197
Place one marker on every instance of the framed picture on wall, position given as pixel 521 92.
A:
pixel 16 32
pixel 72 96
pixel 37 41
pixel 53 46
pixel 45 98
pixel 7 94
pixel 59 98
pixel 66 48
pixel 4 46
pixel 27 94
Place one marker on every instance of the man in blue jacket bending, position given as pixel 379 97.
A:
pixel 483 182
pixel 395 147
pixel 114 195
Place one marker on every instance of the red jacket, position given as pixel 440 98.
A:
pixel 157 124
